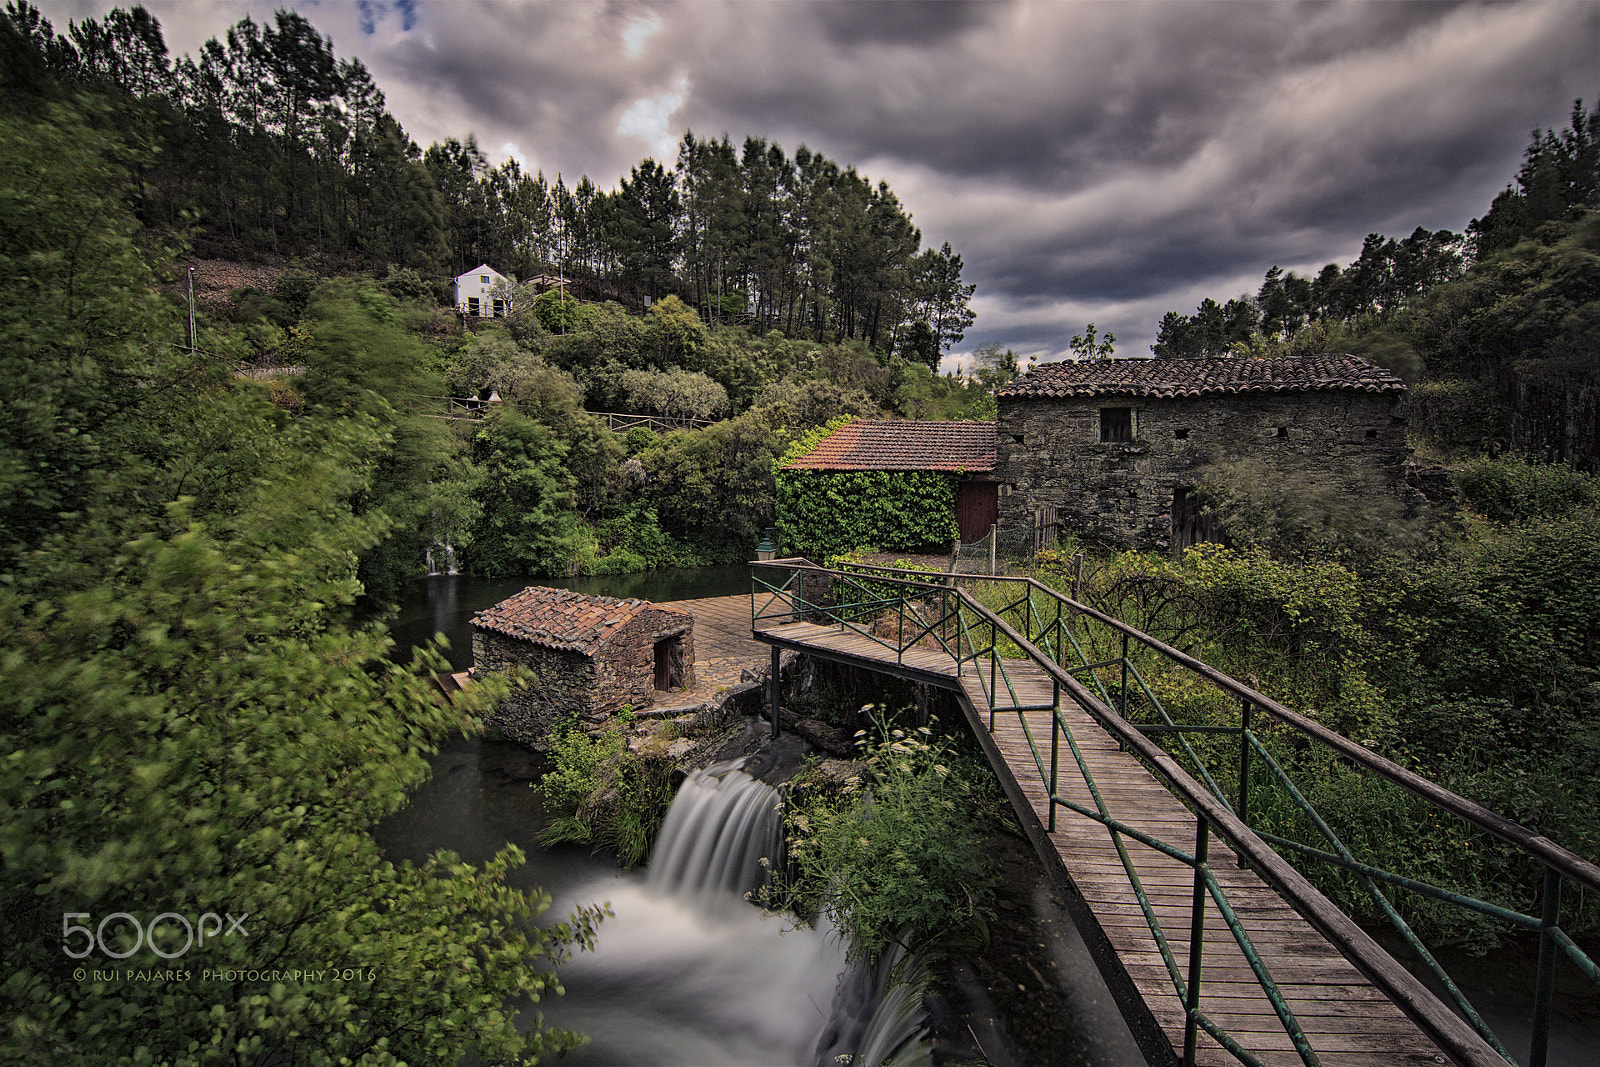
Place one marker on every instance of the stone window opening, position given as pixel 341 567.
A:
pixel 1116 425
pixel 1372 435
pixel 1182 435
pixel 1283 431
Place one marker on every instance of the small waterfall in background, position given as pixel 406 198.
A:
pixel 437 553
pixel 687 972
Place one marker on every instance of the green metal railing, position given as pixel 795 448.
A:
pixel 1027 622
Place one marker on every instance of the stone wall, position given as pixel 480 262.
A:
pixel 1122 494
pixel 625 667
pixel 547 686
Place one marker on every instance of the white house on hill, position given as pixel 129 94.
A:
pixel 472 292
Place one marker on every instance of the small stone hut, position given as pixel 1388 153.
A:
pixel 572 654
pixel 1114 448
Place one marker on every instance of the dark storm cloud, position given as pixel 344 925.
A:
pixel 1089 161
pixel 851 23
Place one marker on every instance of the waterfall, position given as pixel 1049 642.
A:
pixel 432 561
pixel 877 1015
pixel 687 972
pixel 720 828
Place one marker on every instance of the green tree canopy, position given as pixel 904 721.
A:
pixel 192 724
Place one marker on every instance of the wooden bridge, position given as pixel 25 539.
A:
pixel 1159 862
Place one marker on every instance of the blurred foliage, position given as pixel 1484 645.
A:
pixel 193 721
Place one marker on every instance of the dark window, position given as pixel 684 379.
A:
pixel 1182 435
pixel 1372 435
pixel 1017 437
pixel 472 305
pixel 1116 425
pixel 499 307
pixel 1283 431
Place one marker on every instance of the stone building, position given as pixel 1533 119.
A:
pixel 571 654
pixel 1115 448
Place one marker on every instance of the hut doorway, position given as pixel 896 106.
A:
pixel 669 671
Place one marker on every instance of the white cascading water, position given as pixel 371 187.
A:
pixel 687 972
pixel 432 561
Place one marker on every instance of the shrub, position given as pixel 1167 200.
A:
pixel 1512 490
pixel 602 794
pixel 898 856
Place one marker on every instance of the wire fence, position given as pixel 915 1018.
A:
pixel 1001 548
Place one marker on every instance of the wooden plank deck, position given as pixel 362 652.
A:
pixel 1346 1020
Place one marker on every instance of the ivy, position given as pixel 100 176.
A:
pixel 824 513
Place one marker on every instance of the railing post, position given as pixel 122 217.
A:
pixel 994 665
pixel 1055 746
pixel 776 687
pixel 1545 984
pixel 1197 933
pixel 1244 762
pixel 1122 695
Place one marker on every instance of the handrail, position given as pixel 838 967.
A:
pixel 1568 863
pixel 1213 807
pixel 1442 1025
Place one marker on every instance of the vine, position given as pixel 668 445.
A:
pixel 824 513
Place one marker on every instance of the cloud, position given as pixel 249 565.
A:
pixel 1100 162
pixel 647 118
pixel 639 31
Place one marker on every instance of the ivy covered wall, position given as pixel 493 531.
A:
pixel 823 513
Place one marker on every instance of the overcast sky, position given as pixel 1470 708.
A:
pixel 1104 162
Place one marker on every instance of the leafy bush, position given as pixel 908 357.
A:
pixel 1513 490
pixel 602 794
pixel 1305 511
pixel 1455 414
pixel 557 312
pixel 898 855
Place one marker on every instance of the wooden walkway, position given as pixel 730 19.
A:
pixel 1347 1022
pixel 723 646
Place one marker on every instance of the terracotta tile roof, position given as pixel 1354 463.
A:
pixel 561 618
pixel 1201 377
pixel 866 445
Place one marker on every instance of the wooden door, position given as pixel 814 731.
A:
pixel 977 509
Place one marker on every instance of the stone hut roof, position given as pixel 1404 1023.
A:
pixel 904 445
pixel 562 619
pixel 1170 378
